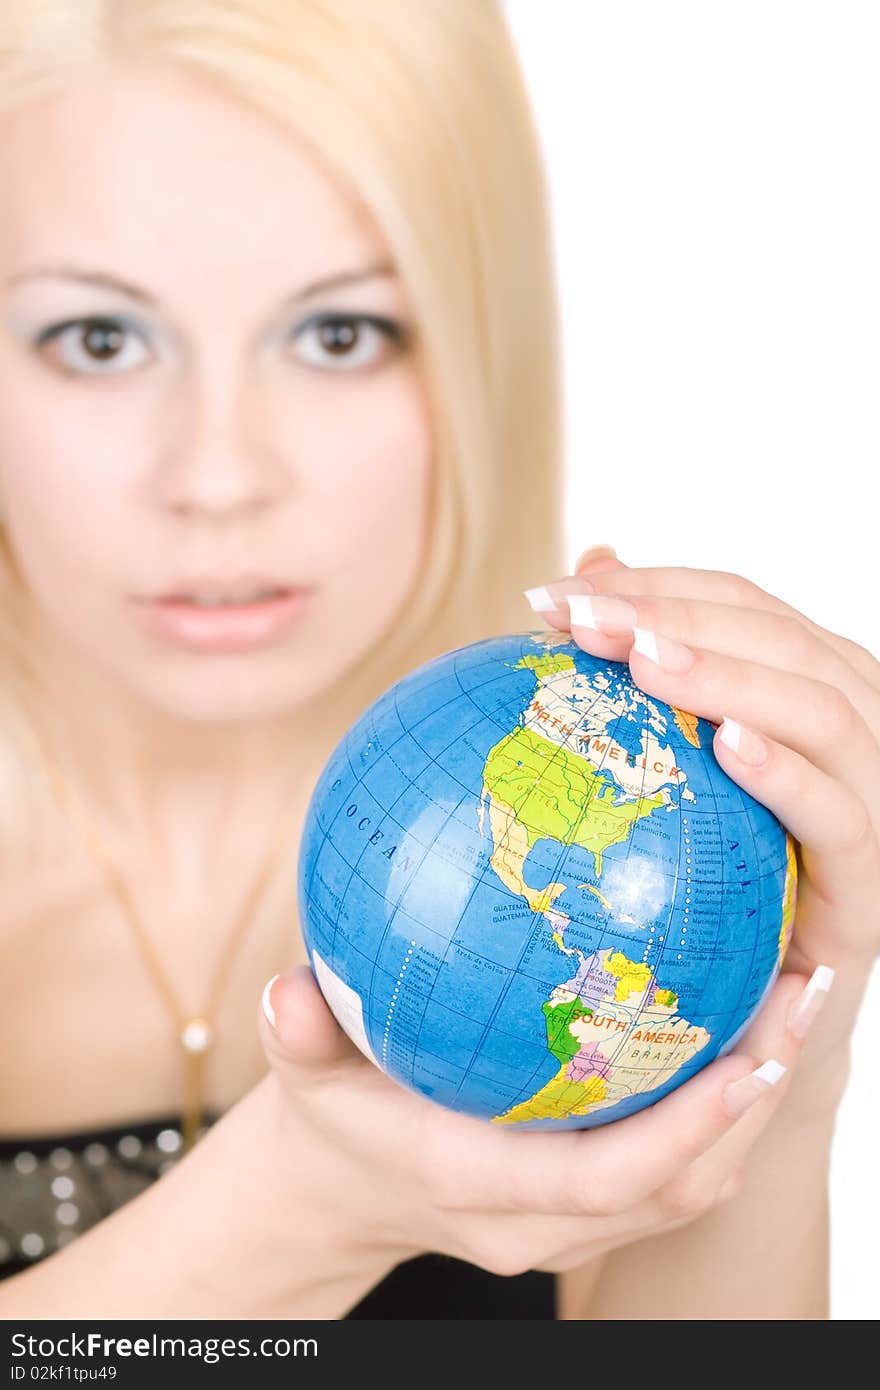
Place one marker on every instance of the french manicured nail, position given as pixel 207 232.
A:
pixel 669 655
pixel 267 1002
pixel 600 612
pixel 543 601
pixel 805 1009
pixel 749 746
pixel 739 1095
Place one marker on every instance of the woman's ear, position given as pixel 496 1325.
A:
pixel 598 557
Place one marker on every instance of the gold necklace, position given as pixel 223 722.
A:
pixel 194 1033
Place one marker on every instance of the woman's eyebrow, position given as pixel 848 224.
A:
pixel 103 280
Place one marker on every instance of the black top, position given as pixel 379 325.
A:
pixel 53 1189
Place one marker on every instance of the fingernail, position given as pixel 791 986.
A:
pixel 266 1001
pixel 599 612
pixel 542 601
pixel 749 746
pixel 669 655
pixel 805 1009
pixel 739 1095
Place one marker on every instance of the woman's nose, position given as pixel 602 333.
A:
pixel 217 461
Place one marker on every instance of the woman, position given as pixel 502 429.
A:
pixel 278 358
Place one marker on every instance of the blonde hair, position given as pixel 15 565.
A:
pixel 421 112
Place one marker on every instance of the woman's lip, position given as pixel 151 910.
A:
pixel 232 627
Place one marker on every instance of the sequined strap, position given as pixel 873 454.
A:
pixel 55 1187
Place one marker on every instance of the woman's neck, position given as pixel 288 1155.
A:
pixel 165 787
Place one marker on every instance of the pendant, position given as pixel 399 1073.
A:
pixel 196 1035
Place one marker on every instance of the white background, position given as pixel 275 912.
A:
pixel 714 180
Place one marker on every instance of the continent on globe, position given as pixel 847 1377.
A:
pixel 615 1033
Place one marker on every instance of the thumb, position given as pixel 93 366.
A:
pixel 297 1029
pixel 598 557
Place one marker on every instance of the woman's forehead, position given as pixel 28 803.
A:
pixel 164 167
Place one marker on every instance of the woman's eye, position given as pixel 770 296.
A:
pixel 94 347
pixel 343 342
pixel 335 342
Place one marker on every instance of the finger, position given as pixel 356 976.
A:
pixel 587 1238
pixel 821 765
pixel 769 1035
pixel 700 1185
pixel 552 606
pixel 299 1032
pixel 510 1244
pixel 602 624
pixel 839 852
pixel 715 586
pixel 597 557
pixel 811 717
pixel 599 1172
pixel 821 762
pixel 519 1243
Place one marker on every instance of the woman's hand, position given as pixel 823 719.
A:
pixel 403 1175
pixel 808 703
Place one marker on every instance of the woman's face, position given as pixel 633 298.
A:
pixel 183 421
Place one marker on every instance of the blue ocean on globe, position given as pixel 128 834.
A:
pixel 530 892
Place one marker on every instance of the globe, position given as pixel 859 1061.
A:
pixel 530 892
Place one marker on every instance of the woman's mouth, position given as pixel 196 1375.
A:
pixel 234 618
